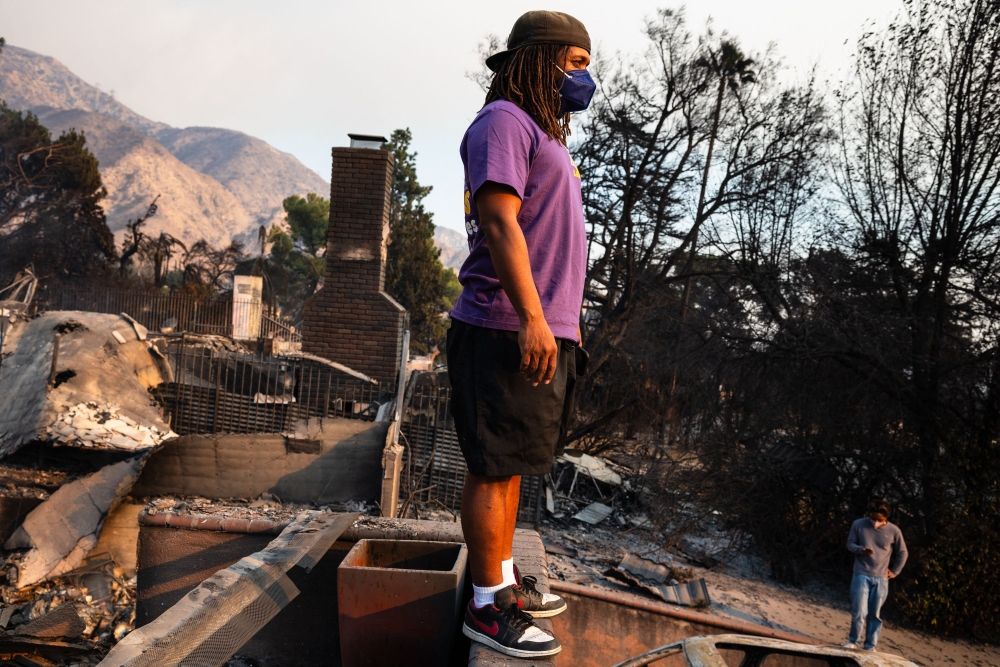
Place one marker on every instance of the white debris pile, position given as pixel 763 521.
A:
pixel 103 426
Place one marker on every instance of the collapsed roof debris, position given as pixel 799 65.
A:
pixel 587 488
pixel 72 381
pixel 298 354
pixel 59 533
pixel 593 513
pixel 109 384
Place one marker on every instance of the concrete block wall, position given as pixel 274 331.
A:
pixel 352 320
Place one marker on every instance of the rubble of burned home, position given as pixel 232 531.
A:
pixel 167 493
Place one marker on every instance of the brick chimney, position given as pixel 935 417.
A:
pixel 351 320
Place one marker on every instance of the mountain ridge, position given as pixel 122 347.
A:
pixel 454 247
pixel 256 175
pixel 214 183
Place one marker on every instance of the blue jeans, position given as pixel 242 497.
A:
pixel 867 596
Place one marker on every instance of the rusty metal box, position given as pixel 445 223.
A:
pixel 400 602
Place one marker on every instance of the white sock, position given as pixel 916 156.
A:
pixel 507 567
pixel 482 596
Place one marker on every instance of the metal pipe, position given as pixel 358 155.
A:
pixel 211 523
pixel 401 388
pixel 742 627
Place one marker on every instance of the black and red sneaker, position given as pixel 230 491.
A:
pixel 532 601
pixel 504 627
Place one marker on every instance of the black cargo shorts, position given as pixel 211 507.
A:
pixel 505 425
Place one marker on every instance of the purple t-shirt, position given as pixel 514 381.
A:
pixel 505 145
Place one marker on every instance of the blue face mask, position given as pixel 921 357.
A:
pixel 577 90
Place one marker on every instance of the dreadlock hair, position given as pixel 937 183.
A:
pixel 528 78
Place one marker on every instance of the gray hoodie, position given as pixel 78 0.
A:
pixel 886 542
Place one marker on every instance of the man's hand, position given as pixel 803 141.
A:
pixel 539 351
pixel 867 551
pixel 891 575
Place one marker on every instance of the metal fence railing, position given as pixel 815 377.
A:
pixel 186 313
pixel 433 465
pixel 220 391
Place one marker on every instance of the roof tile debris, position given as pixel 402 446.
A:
pixel 96 425
pixel 658 580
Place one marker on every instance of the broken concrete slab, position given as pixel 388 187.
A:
pixel 60 532
pixel 104 373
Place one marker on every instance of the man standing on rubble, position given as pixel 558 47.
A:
pixel 879 555
pixel 515 327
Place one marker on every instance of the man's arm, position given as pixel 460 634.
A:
pixel 854 541
pixel 498 208
pixel 899 556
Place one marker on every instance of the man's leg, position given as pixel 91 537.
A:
pixel 484 523
pixel 510 524
pixel 493 617
pixel 876 598
pixel 513 500
pixel 859 606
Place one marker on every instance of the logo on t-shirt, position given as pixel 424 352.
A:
pixel 576 169
pixel 471 227
pixel 468 202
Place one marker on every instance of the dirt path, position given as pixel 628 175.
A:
pixel 791 609
pixel 741 592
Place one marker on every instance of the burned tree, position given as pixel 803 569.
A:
pixel 50 210
pixel 869 348
pixel 690 133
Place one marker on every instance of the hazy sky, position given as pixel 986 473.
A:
pixel 301 74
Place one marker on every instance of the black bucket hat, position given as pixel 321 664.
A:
pixel 542 27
